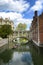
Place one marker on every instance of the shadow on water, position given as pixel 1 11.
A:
pixel 5 56
pixel 37 54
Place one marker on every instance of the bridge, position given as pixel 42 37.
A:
pixel 23 34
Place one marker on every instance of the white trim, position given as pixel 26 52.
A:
pixel 36 43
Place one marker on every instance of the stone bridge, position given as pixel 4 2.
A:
pixel 23 34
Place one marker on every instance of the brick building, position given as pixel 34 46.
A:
pixel 36 29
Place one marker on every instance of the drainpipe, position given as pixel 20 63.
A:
pixel 38 31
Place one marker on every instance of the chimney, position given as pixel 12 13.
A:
pixel 33 17
pixel 35 13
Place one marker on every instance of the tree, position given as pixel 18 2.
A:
pixel 21 27
pixel 5 30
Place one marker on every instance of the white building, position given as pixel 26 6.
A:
pixel 7 21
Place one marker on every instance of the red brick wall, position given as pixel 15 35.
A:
pixel 41 29
pixel 34 26
pixel 35 31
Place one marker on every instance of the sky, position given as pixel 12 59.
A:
pixel 20 11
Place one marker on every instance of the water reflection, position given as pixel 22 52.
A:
pixel 20 40
pixel 27 58
pixel 34 56
pixel 5 57
pixel 22 58
pixel 17 58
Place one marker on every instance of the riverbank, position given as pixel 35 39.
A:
pixel 5 44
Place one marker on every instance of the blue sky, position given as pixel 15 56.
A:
pixel 20 11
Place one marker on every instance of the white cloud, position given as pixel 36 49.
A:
pixel 17 6
pixel 10 15
pixel 37 6
pixel 22 20
pixel 41 1
pixel 26 21
pixel 2 2
pixel 14 5
pixel 16 17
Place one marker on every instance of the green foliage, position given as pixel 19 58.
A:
pixel 5 30
pixel 21 27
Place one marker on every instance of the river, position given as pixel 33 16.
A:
pixel 25 55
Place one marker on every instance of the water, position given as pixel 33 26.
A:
pixel 25 55
pixel 20 40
